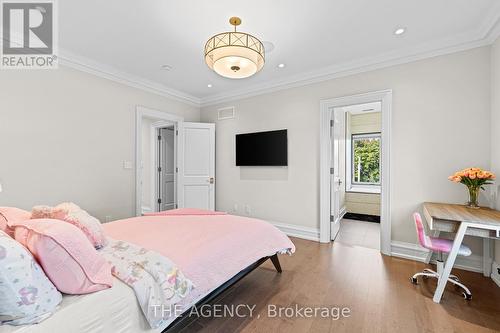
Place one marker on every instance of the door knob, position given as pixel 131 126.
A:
pixel 212 180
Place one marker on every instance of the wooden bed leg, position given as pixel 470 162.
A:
pixel 276 262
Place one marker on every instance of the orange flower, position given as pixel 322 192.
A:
pixel 472 173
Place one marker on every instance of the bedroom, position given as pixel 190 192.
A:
pixel 69 134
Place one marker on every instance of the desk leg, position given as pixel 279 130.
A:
pixel 450 261
pixel 487 256
pixel 435 233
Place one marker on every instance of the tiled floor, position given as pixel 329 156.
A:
pixel 359 233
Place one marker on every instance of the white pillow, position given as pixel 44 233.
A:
pixel 26 295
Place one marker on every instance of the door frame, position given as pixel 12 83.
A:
pixel 384 96
pixel 155 179
pixel 162 118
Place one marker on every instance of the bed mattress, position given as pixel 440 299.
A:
pixel 209 250
pixel 111 310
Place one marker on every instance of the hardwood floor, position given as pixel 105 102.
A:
pixel 376 288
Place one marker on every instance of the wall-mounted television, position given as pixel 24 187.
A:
pixel 262 149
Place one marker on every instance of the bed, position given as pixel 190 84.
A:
pixel 213 250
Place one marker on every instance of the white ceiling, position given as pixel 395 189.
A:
pixel 132 39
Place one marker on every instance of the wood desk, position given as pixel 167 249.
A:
pixel 458 219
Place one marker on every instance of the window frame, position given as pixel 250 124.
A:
pixel 362 186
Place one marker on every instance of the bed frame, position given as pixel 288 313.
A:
pixel 184 319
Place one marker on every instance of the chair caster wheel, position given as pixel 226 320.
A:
pixel 413 280
pixel 467 296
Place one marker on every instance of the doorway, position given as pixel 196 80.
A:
pixel 356 140
pixel 166 177
pixel 175 162
pixel 355 169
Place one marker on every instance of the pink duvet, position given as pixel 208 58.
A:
pixel 209 249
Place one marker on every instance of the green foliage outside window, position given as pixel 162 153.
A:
pixel 366 159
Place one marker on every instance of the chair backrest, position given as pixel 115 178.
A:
pixel 423 239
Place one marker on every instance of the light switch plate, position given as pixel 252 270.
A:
pixel 127 165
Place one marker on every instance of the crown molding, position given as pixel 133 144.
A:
pixel 484 35
pixel 490 30
pixel 71 60
pixel 86 65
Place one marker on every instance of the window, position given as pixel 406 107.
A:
pixel 365 159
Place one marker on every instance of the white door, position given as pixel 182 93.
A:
pixel 196 162
pixel 166 168
pixel 335 180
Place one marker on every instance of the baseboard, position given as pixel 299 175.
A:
pixel 342 212
pixel 495 273
pixel 363 217
pixel 293 230
pixel 473 263
pixel 145 209
pixel 408 251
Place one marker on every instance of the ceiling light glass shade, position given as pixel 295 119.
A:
pixel 235 55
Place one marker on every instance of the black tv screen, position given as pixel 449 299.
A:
pixel 262 149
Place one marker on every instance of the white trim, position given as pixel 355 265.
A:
pixel 385 96
pixel 411 251
pixel 153 195
pixel 495 275
pixel 368 189
pixel 292 230
pixel 342 212
pixel 483 36
pixel 105 71
pixel 140 113
pixel 146 209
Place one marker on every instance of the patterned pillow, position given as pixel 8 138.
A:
pixel 71 213
pixel 26 294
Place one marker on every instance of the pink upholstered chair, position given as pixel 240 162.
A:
pixel 440 246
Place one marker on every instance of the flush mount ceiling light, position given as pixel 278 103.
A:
pixel 399 31
pixel 235 55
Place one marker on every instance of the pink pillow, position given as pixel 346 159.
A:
pixel 8 215
pixel 71 213
pixel 65 254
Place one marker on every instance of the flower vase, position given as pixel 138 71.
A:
pixel 473 197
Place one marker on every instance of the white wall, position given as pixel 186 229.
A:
pixel 433 101
pixel 495 126
pixel 64 135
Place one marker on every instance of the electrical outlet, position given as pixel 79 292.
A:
pixel 247 210
pixel 108 218
pixel 127 165
pixel 235 208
